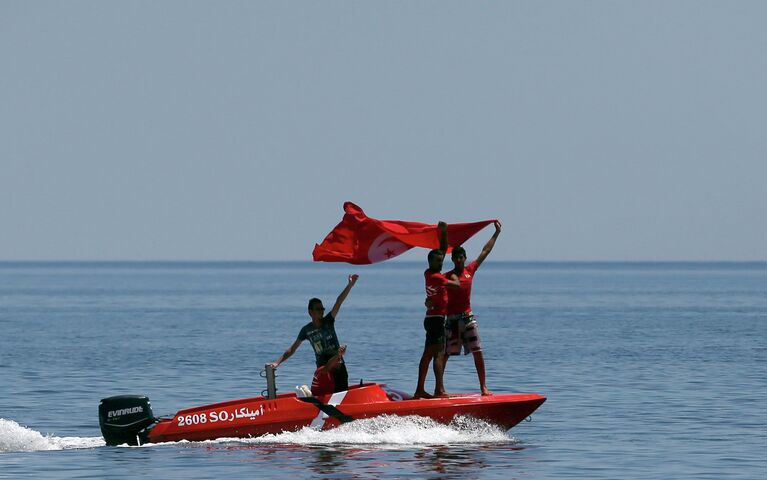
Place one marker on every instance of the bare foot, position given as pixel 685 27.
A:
pixel 421 394
pixel 441 394
pixel 486 392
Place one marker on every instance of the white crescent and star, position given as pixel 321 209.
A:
pixel 384 247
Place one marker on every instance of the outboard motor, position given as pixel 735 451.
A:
pixel 124 419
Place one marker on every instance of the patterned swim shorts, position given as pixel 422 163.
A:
pixel 462 331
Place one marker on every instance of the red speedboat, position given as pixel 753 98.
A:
pixel 128 418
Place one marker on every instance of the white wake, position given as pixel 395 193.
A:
pixel 17 438
pixel 385 431
pixel 389 431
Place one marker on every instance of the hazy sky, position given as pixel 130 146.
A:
pixel 236 130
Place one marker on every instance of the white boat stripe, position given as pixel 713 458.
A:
pixel 319 420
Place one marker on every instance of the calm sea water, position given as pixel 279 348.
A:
pixel 651 370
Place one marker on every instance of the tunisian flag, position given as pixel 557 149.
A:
pixel 360 240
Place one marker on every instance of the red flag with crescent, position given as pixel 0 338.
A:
pixel 361 240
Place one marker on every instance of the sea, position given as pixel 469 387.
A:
pixel 651 370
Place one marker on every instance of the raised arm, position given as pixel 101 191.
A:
pixel 290 351
pixel 442 228
pixel 489 245
pixel 342 296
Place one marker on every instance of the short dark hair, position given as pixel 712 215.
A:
pixel 457 251
pixel 313 302
pixel 434 253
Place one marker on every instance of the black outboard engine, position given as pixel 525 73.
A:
pixel 124 419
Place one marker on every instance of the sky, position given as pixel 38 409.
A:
pixel 235 130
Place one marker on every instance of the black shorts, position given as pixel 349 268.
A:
pixel 340 378
pixel 435 330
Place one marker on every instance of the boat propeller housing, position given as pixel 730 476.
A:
pixel 124 419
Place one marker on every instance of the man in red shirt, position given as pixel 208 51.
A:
pixel 434 323
pixel 461 326
pixel 323 382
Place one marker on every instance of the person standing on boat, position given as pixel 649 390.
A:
pixel 461 327
pixel 321 334
pixel 434 323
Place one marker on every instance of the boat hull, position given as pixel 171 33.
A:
pixel 252 417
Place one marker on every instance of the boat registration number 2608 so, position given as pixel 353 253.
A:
pixel 219 416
